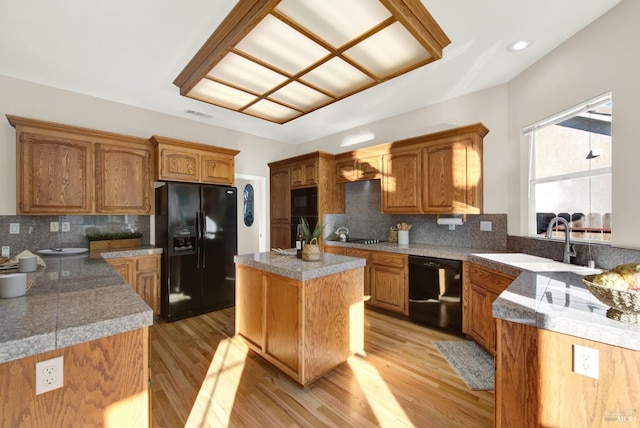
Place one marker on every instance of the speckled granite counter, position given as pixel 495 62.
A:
pixel 74 299
pixel 292 267
pixel 426 250
pixel 559 301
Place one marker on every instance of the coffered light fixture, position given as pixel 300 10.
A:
pixel 280 59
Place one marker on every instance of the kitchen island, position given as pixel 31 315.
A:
pixel 305 318
pixel 541 318
pixel 80 309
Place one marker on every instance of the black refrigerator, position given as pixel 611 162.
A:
pixel 196 225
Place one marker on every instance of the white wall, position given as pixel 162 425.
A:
pixel 35 101
pixel 488 106
pixel 600 58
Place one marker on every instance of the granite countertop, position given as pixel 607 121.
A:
pixel 74 299
pixel 426 250
pixel 292 267
pixel 560 302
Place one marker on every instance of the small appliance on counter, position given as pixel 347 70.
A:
pixel 343 234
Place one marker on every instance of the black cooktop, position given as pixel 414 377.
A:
pixel 366 241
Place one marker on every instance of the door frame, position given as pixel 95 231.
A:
pixel 261 210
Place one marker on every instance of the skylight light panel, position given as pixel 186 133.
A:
pixel 222 95
pixel 272 111
pixel 335 21
pixel 388 51
pixel 337 77
pixel 301 96
pixel 274 42
pixel 246 74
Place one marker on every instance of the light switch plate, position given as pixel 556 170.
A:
pixel 54 226
pixel 66 227
pixel 6 250
pixel 14 228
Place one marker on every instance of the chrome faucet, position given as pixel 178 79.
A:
pixel 569 251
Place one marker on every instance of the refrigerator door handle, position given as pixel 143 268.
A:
pixel 204 234
pixel 198 239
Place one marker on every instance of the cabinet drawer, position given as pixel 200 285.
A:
pixel 352 252
pixel 489 279
pixel 147 263
pixel 388 259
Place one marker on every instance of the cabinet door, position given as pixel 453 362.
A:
pixel 217 169
pixel 345 170
pixel 401 181
pixel 304 173
pixel 388 288
pixel 280 196
pixel 482 325
pixel 451 181
pixel 147 280
pixel 369 167
pixel 123 179
pixel 250 304
pixel 363 254
pixel 53 175
pixel 178 165
pixel 280 235
pixel 283 321
pixel 124 267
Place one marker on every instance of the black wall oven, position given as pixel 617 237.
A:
pixel 304 203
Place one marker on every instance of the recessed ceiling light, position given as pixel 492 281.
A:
pixel 518 45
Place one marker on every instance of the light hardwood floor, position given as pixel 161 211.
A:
pixel 202 376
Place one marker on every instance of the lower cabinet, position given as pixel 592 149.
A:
pixel 385 277
pixel 143 274
pixel 303 327
pixel 481 288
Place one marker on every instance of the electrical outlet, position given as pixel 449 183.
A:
pixel 452 227
pixel 6 250
pixel 66 226
pixel 53 226
pixel 586 361
pixel 49 375
pixel 14 228
pixel 485 226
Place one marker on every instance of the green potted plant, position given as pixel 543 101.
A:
pixel 311 250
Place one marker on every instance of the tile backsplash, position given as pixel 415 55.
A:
pixel 364 219
pixel 35 231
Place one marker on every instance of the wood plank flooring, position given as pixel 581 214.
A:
pixel 203 376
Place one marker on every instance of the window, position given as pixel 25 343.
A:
pixel 570 171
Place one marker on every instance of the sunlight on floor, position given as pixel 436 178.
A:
pixel 218 391
pixel 381 400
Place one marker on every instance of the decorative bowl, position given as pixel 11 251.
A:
pixel 624 304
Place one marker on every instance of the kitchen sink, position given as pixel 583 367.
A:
pixel 537 264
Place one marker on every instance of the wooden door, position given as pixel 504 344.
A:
pixel 401 181
pixel 54 175
pixel 217 169
pixel 147 280
pixel 451 177
pixel 124 267
pixel 250 304
pixel 482 325
pixel 388 288
pixel 123 178
pixel 283 321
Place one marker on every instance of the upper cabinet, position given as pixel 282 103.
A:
pixel 178 160
pixel 438 173
pixel 304 173
pixel 363 164
pixel 69 170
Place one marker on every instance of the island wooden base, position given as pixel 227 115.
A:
pixel 105 384
pixel 536 385
pixel 305 328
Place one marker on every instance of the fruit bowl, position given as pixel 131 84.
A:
pixel 624 304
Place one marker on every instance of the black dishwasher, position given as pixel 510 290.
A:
pixel 435 290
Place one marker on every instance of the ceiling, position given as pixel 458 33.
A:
pixel 131 51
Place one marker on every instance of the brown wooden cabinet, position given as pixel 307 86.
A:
pixel 363 254
pixel 314 169
pixel 304 328
pixel 482 286
pixel 363 164
pixel 439 173
pixel 401 181
pixel 178 160
pixel 143 274
pixel 123 177
pixel 388 279
pixel 304 173
pixel 64 169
